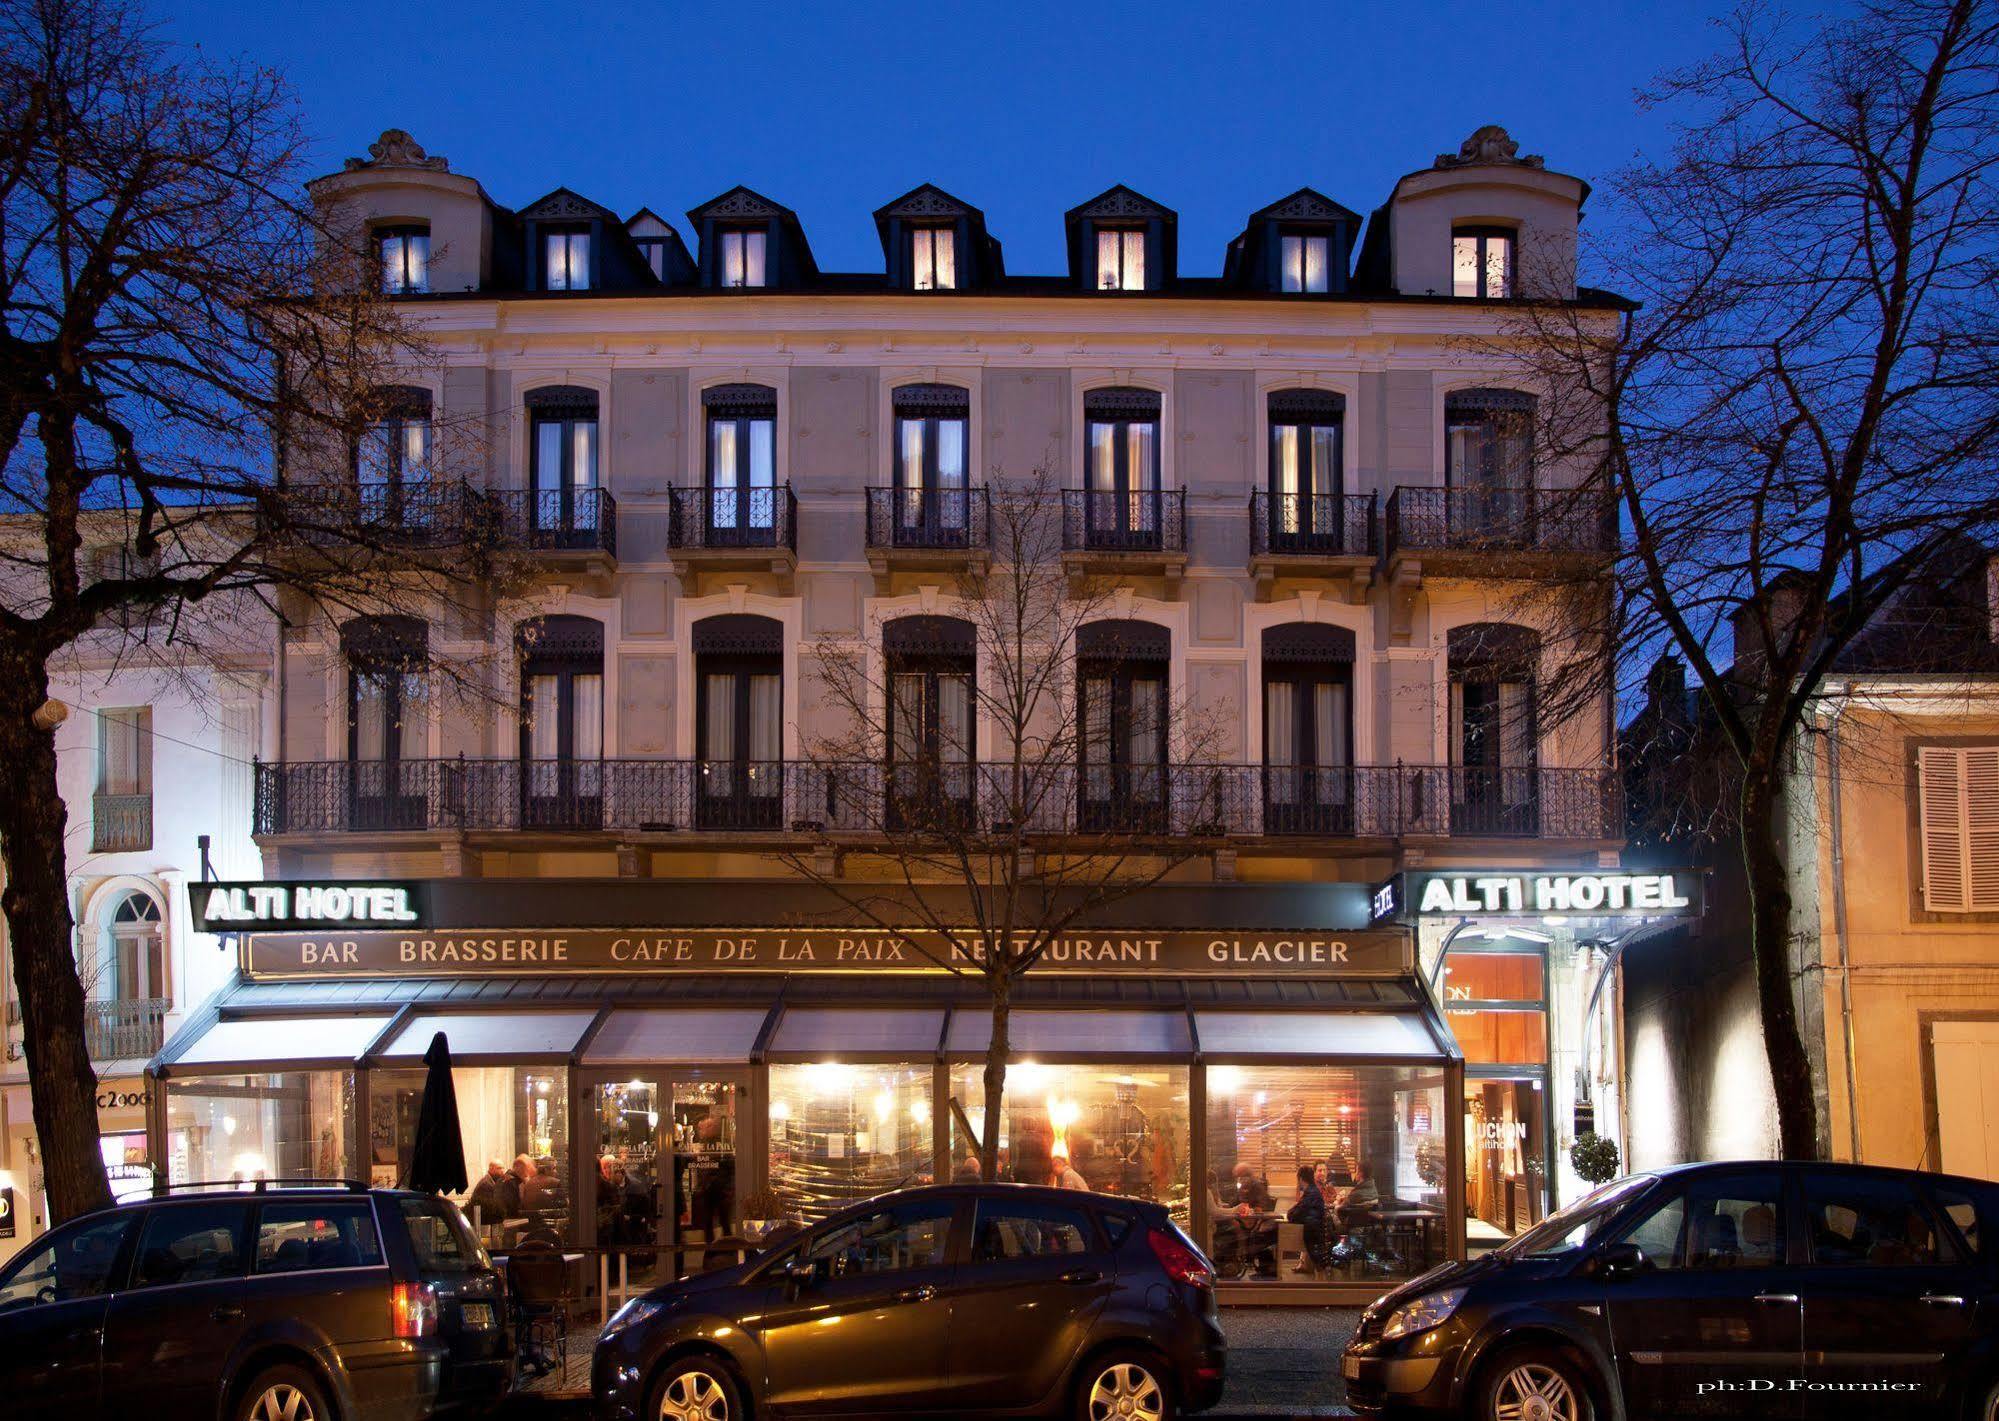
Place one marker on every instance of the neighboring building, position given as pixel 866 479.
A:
pixel 150 759
pixel 705 460
pixel 1893 846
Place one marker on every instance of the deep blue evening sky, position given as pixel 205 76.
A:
pixel 1024 110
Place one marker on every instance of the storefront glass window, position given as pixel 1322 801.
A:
pixel 1508 1034
pixel 1373 1138
pixel 1506 1170
pixel 666 1164
pixel 1121 1129
pixel 517 1116
pixel 840 1133
pixel 292 1125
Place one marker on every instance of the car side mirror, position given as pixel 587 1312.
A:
pixel 800 1272
pixel 1619 1260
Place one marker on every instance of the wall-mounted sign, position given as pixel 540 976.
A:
pixel 526 952
pixel 274 907
pixel 7 1212
pixel 1506 893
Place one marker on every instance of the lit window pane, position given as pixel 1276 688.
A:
pixel 1498 262
pixel 1315 263
pixel 1134 261
pixel 1464 266
pixel 839 1133
pixel 548 456
pixel 732 258
pixel 1294 263
pixel 944 249
pixel 1107 261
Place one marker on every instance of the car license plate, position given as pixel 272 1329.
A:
pixel 477 1315
pixel 1350 1368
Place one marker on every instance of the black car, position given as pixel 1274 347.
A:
pixel 1747 1289
pixel 258 1303
pixel 998 1299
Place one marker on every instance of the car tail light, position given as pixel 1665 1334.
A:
pixel 1182 1262
pixel 413 1310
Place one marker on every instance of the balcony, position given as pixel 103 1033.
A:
pixel 1311 535
pixel 125 1030
pixel 415 514
pixel 627 798
pixel 1497 532
pixel 569 529
pixel 1139 532
pixel 714 528
pixel 925 529
pixel 121 823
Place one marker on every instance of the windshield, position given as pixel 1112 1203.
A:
pixel 1567 1230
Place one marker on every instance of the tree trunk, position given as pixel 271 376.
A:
pixel 61 1083
pixel 1770 939
pixel 995 1080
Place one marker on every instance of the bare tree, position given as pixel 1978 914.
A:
pixel 980 856
pixel 1802 408
pixel 175 323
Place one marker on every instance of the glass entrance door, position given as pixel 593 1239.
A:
pixel 665 1177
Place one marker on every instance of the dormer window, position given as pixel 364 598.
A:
pixel 743 258
pixel 404 253
pixel 1120 259
pixel 933 259
pixel 653 250
pixel 565 253
pixel 1305 260
pixel 1482 262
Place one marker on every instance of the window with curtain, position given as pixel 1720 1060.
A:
pixel 739 720
pixel 404 253
pixel 933 258
pixel 393 460
pixel 1489 464
pixel 1493 728
pixel 1957 789
pixel 1121 723
pixel 932 500
pixel 1304 261
pixel 743 257
pixel 742 463
pixel 133 964
pixel 1306 479
pixel 388 719
pixel 1308 729
pixel 1121 429
pixel 562 719
pixel 565 259
pixel 931 728
pixel 562 458
pixel 1482 261
pixel 1120 259
pixel 125 750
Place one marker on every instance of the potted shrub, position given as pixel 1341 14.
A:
pixel 761 1213
pixel 1594 1157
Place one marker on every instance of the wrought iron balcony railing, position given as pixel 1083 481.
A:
pixel 1525 520
pixel 1311 524
pixel 565 520
pixel 718 518
pixel 1139 521
pixel 411 513
pixel 928 519
pixel 123 1030
pixel 121 823
pixel 728 796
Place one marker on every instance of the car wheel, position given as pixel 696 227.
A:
pixel 284 1394
pixel 1534 1384
pixel 697 1389
pixel 1124 1386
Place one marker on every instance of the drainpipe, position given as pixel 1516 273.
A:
pixel 1839 927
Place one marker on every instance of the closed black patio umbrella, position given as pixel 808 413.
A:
pixel 437 1159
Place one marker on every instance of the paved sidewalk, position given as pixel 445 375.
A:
pixel 1285 1362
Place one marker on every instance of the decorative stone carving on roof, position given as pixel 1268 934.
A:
pixel 564 203
pixel 740 202
pixel 1306 206
pixel 396 149
pixel 1121 201
pixel 926 201
pixel 1490 144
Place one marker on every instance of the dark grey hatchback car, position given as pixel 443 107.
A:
pixel 1764 1290
pixel 272 1303
pixel 986 1299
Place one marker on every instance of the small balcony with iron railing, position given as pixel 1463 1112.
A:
pixel 126 1029
pixel 566 528
pixel 1311 535
pixel 1133 532
pixel 1497 531
pixel 718 527
pixel 411 513
pixel 924 529
pixel 121 823
pixel 680 798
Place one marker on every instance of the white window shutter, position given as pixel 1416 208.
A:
pixel 1939 784
pixel 1981 826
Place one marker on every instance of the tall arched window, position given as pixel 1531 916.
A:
pixel 131 961
pixel 388 721
pixel 1308 729
pixel 1121 671
pixel 1494 783
pixel 563 470
pixel 742 464
pixel 562 721
pixel 739 722
pixel 931 664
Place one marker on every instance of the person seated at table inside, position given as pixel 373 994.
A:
pixel 1061 1175
pixel 541 1192
pixel 488 1197
pixel 967 1171
pixel 610 1199
pixel 1364 1194
pixel 513 1189
pixel 1251 1189
pixel 1310 1211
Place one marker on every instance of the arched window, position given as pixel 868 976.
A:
pixel 562 721
pixel 1494 734
pixel 388 721
pixel 131 954
pixel 932 664
pixel 1121 671
pixel 1121 499
pixel 563 465
pixel 742 464
pixel 739 721
pixel 930 442
pixel 1305 473
pixel 1308 729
